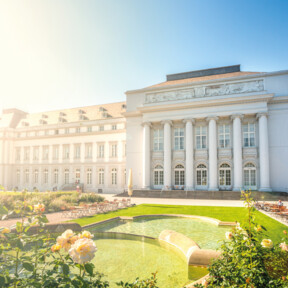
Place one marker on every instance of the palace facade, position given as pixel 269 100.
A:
pixel 214 129
pixel 210 129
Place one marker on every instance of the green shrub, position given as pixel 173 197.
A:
pixel 90 198
pixel 248 259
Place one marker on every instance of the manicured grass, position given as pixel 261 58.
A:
pixel 274 228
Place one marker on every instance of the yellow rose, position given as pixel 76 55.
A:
pixel 5 230
pixel 258 228
pixel 86 234
pixel 228 235
pixel 83 250
pixel 267 243
pixel 56 247
pixel 284 246
pixel 39 208
pixel 67 239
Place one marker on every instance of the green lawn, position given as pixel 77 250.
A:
pixel 274 228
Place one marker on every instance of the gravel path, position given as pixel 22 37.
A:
pixel 52 217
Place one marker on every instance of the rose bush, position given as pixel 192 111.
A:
pixel 35 260
pixel 248 259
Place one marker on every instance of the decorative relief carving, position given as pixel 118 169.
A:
pixel 206 91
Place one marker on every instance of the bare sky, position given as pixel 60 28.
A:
pixel 68 53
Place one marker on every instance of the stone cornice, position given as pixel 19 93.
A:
pixel 196 103
pixel 279 99
pixel 228 79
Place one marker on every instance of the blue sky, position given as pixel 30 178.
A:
pixel 66 53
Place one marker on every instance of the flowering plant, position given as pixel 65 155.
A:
pixel 249 260
pixel 31 258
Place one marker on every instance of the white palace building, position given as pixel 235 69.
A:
pixel 214 129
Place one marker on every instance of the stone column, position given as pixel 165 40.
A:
pixel 167 154
pixel 189 161
pixel 146 155
pixel 237 152
pixel 213 167
pixel 264 153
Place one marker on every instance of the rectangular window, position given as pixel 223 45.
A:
pixel 66 176
pixel 101 128
pixel 45 152
pixel 18 176
pixel 77 151
pixel 249 135
pixel 56 176
pixel 114 176
pixel 224 136
pixel 77 176
pixel 36 153
pixel 55 152
pixel 201 137
pixel 66 152
pixel 78 130
pixel 89 176
pixel 114 150
pixel 158 140
pixel 45 176
pixel 179 138
pixel 89 129
pixel 88 151
pixel 101 151
pixel 36 174
pixel 26 154
pixel 101 176
pixel 114 127
pixel 26 176
pixel 18 154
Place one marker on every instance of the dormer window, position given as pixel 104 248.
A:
pixel 80 111
pixel 43 122
pixel 44 116
pixel 123 106
pixel 25 124
pixel 61 114
pixel 105 115
pixel 102 109
pixel 83 117
pixel 61 120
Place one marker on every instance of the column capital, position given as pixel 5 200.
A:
pixel 237 115
pixel 146 123
pixel 260 114
pixel 192 120
pixel 213 117
pixel 166 121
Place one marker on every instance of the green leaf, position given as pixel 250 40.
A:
pixel 3 210
pixel 89 268
pixel 2 281
pixel 28 266
pixel 65 269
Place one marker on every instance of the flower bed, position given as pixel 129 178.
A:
pixel 53 201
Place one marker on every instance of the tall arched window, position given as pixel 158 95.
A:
pixel 250 176
pixel 179 175
pixel 89 176
pixel 77 175
pixel 36 175
pixel 56 176
pixel 201 173
pixel 114 176
pixel 225 175
pixel 158 176
pixel 101 176
pixel 45 176
pixel 66 176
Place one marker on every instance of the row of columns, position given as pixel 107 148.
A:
pixel 213 171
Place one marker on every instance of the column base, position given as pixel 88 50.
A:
pixel 237 189
pixel 189 188
pixel 265 189
pixel 213 189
